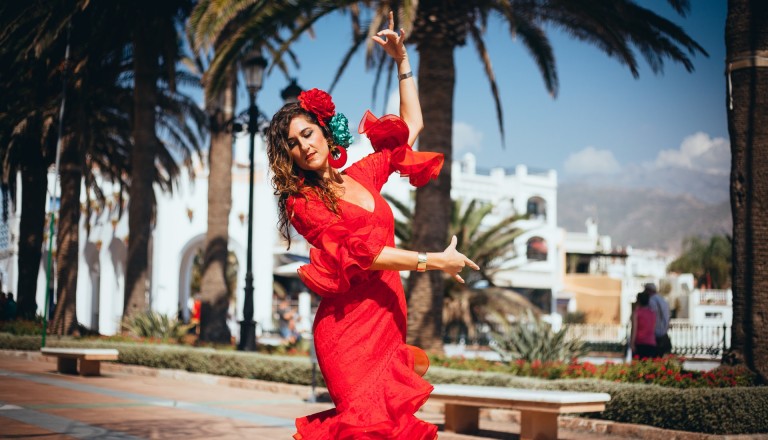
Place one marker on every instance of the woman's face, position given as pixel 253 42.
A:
pixel 308 146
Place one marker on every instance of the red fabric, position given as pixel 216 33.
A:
pixel 390 134
pixel 646 323
pixel 361 322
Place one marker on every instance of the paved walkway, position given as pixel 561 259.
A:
pixel 132 403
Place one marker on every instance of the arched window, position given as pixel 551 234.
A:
pixel 537 249
pixel 537 208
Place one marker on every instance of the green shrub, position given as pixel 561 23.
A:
pixel 534 340
pixel 22 327
pixel 152 324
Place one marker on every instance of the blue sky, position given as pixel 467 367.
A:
pixel 603 122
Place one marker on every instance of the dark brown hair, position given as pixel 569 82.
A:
pixel 287 178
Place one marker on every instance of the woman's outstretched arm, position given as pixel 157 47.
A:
pixel 449 261
pixel 410 109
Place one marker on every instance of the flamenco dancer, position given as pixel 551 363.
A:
pixel 360 326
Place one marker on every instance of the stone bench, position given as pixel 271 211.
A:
pixel 538 408
pixel 89 358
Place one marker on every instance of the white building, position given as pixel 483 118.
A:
pixel 534 267
pixel 178 234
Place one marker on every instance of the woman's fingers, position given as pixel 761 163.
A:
pixel 471 264
pixel 454 241
pixel 458 278
pixel 391 20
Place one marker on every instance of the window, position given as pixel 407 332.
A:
pixel 713 315
pixel 537 249
pixel 536 208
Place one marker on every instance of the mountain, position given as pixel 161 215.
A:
pixel 648 218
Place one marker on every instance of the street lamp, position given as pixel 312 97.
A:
pixel 253 70
pixel 291 92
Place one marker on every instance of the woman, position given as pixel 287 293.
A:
pixel 360 326
pixel 643 339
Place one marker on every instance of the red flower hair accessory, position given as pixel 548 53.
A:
pixel 319 103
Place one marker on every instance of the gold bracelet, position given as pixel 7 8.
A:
pixel 422 266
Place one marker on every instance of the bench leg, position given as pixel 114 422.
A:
pixel 536 425
pixel 461 419
pixel 90 368
pixel 66 365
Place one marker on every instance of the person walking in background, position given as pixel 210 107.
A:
pixel 642 340
pixel 286 318
pixel 661 310
pixel 359 330
pixel 10 308
pixel 3 302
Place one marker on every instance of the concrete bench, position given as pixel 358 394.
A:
pixel 90 359
pixel 538 408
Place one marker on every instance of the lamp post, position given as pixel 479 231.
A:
pixel 253 70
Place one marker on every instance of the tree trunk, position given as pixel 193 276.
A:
pixel 34 182
pixel 431 217
pixel 64 320
pixel 215 293
pixel 145 145
pixel 747 42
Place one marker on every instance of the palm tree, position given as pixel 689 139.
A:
pixel 442 26
pixel 746 42
pixel 490 246
pixel 27 132
pixel 213 26
pixel 219 106
pixel 154 37
pixel 709 261
pixel 438 27
pixel 97 134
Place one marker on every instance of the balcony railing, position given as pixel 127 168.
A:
pixel 713 297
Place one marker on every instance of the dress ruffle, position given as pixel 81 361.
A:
pixel 390 403
pixel 345 252
pixel 391 133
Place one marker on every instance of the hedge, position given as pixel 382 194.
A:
pixel 738 410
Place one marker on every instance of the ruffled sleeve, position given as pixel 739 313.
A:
pixel 344 249
pixel 389 136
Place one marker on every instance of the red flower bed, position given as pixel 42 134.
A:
pixel 667 371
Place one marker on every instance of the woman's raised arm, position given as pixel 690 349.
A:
pixel 410 109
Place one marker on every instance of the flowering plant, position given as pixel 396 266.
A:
pixel 321 104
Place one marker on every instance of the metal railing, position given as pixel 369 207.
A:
pixel 687 340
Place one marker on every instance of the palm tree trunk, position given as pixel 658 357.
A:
pixel 432 212
pixel 141 196
pixel 67 240
pixel 34 182
pixel 215 290
pixel 747 39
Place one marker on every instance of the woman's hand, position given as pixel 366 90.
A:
pixel 452 261
pixel 392 42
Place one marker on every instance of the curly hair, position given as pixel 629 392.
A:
pixel 287 178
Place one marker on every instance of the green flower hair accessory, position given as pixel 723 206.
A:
pixel 340 130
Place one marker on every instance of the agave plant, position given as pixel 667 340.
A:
pixel 533 339
pixel 152 324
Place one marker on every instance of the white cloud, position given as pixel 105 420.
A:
pixel 466 138
pixel 590 160
pixel 699 152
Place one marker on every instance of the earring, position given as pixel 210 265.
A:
pixel 338 157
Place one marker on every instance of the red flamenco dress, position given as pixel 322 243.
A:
pixel 360 325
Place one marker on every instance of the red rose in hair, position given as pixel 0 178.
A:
pixel 318 102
